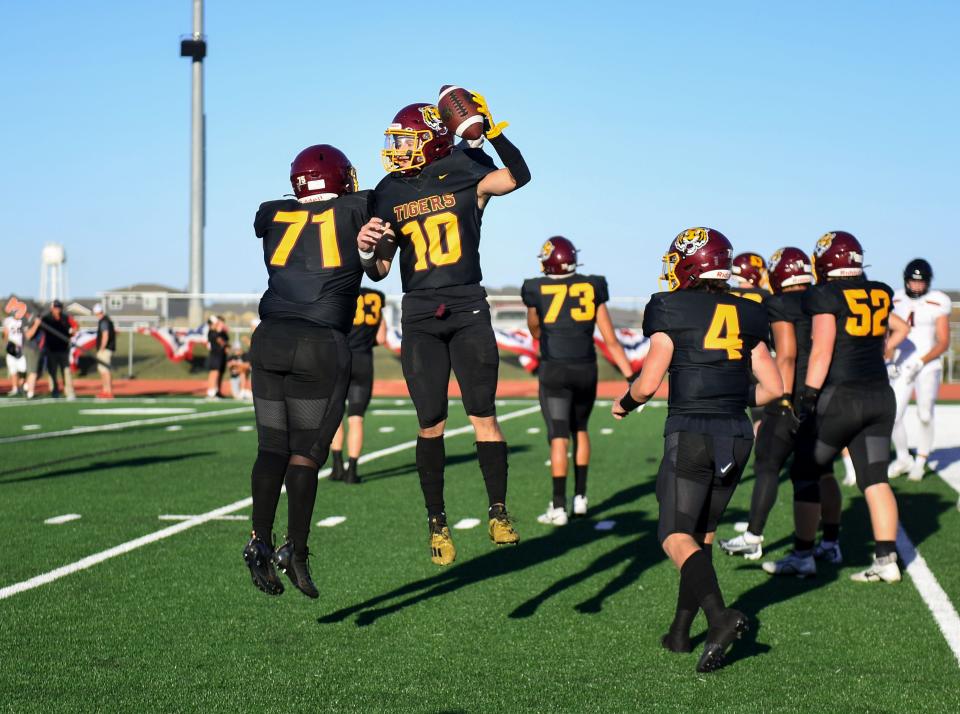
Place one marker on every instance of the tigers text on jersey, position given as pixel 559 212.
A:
pixel 713 335
pixel 436 217
pixel 310 250
pixel 788 307
pixel 921 313
pixel 862 309
pixel 366 320
pixel 567 308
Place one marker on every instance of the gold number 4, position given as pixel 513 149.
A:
pixel 724 332
pixel 866 321
pixel 585 310
pixel 297 220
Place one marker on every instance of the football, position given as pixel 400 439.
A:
pixel 459 112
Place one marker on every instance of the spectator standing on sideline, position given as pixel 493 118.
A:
pixel 106 346
pixel 58 329
pixel 218 341
pixel 31 353
pixel 16 363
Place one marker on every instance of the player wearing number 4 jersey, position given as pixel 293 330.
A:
pixel 430 206
pixel 368 330
pixel 299 354
pixel 847 396
pixel 711 342
pixel 563 307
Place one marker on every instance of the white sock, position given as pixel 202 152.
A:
pixel 921 460
pixel 900 441
pixel 848 466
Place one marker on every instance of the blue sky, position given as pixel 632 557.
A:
pixel 771 122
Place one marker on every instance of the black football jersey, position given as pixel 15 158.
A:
pixel 366 320
pixel 713 336
pixel 756 294
pixel 436 218
pixel 567 308
pixel 862 309
pixel 310 250
pixel 788 307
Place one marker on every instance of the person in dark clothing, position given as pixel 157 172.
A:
pixel 106 345
pixel 218 341
pixel 58 329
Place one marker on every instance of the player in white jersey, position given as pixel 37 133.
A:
pixel 16 362
pixel 917 366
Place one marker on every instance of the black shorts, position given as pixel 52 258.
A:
pixel 567 393
pixel 858 417
pixel 300 377
pixel 361 383
pixel 463 341
pixel 696 480
pixel 217 361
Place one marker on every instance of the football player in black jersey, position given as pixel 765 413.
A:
pixel 790 274
pixel 299 353
pixel 562 308
pixel 750 278
pixel 369 329
pixel 847 397
pixel 710 342
pixel 430 206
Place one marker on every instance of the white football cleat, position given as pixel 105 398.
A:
pixel 579 505
pixel 917 470
pixel 746 544
pixel 741 526
pixel 553 516
pixel 803 566
pixel 829 551
pixel 898 467
pixel 885 569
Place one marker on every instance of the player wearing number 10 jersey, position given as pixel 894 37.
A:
pixel 563 307
pixel 848 397
pixel 430 206
pixel 299 354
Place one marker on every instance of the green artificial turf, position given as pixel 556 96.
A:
pixel 569 620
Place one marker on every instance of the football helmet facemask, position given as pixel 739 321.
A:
pixel 789 266
pixel 838 254
pixel 323 171
pixel 920 270
pixel 696 254
pixel 416 137
pixel 558 256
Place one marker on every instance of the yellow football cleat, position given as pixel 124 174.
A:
pixel 501 526
pixel 442 550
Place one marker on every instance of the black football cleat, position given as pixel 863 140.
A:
pixel 294 564
pixel 337 470
pixel 732 625
pixel 676 642
pixel 257 554
pixel 350 476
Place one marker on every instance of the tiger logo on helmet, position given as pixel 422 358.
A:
pixel 826 240
pixel 691 240
pixel 431 117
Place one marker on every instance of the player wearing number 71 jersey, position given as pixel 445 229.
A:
pixel 430 206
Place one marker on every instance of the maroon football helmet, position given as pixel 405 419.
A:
pixel 789 266
pixel 751 268
pixel 322 169
pixel 416 137
pixel 837 255
pixel 697 253
pixel 558 256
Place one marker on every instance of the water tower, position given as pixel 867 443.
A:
pixel 53 273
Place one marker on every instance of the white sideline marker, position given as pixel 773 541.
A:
pixel 605 526
pixel 173 427
pixel 933 595
pixel 466 523
pixel 386 429
pixel 331 521
pixel 606 430
pixel 533 430
pixel 31 427
pixel 393 412
pixel 131 545
pixel 174 517
pixel 137 411
pixel 245 427
pixel 65 518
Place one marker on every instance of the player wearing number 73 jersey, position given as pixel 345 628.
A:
pixel 299 354
pixel 430 205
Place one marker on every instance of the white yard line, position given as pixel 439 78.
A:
pixel 65 518
pixel 933 595
pixel 123 425
pixel 215 514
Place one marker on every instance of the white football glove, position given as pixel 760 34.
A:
pixel 893 371
pixel 911 368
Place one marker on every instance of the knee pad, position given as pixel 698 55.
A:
pixel 270 463
pixel 872 475
pixel 806 491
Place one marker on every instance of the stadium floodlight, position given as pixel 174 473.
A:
pixel 195 47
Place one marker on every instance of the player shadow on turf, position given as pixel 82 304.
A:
pixel 410 468
pixel 945 457
pixel 99 466
pixel 501 562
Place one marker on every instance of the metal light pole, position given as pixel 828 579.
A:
pixel 196 49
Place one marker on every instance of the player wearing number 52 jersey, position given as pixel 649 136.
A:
pixel 710 342
pixel 299 354
pixel 563 307
pixel 368 330
pixel 430 206
pixel 847 395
